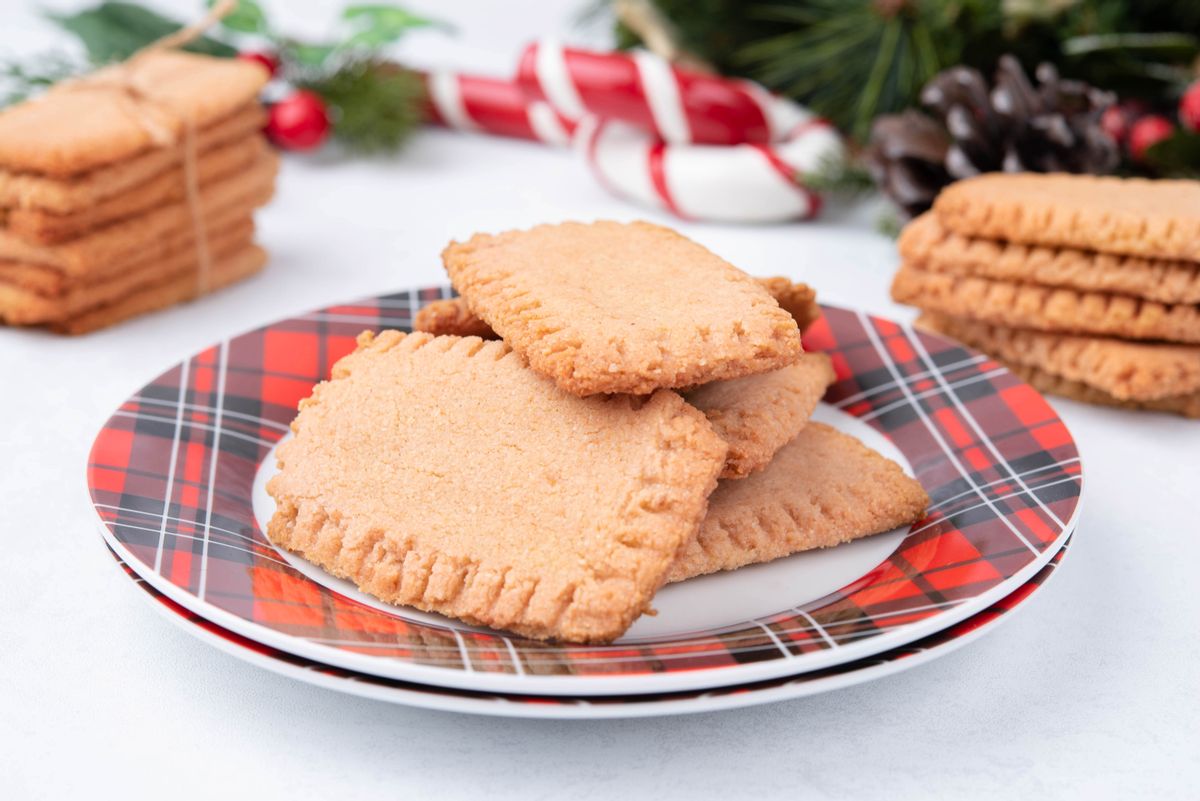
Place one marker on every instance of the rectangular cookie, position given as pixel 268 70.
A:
pixel 1130 216
pixel 27 190
pixel 1187 405
pixel 47 228
pixel 822 489
pixel 758 414
pixel 226 270
pixel 22 306
pixel 127 240
pixel 46 135
pixel 404 467
pixel 1133 371
pixel 1046 308
pixel 453 316
pixel 52 282
pixel 935 248
pixel 609 307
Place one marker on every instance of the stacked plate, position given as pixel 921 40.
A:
pixel 177 478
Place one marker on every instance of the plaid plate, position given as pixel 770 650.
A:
pixel 171 476
pixel 513 705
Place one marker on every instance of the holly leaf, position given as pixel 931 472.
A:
pixel 381 24
pixel 1178 156
pixel 247 17
pixel 113 31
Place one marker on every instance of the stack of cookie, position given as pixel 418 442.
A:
pixel 550 482
pixel 131 189
pixel 1087 287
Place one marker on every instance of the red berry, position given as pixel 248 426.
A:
pixel 1115 122
pixel 299 121
pixel 1148 131
pixel 268 61
pixel 1189 107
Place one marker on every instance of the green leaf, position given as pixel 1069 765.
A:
pixel 307 55
pixel 381 24
pixel 375 104
pixel 1177 156
pixel 246 17
pixel 114 31
pixel 1162 46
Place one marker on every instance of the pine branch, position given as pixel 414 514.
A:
pixel 376 104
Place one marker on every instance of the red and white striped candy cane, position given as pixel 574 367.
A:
pixel 490 105
pixel 752 182
pixel 679 106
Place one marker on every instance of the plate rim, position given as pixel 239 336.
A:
pixel 512 706
pixel 623 684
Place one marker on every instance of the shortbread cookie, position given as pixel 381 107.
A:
pixel 47 228
pixel 611 307
pixel 1051 384
pixel 47 135
pixel 177 289
pixel 822 489
pixel 1044 308
pixel 453 316
pixel 758 414
pixel 1125 370
pixel 27 190
pixel 51 281
pixel 127 240
pixel 795 298
pixel 23 306
pixel 928 244
pixel 1131 216
pixel 440 473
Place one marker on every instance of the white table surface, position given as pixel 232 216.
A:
pixel 1091 691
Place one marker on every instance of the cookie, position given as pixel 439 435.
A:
pixel 1130 216
pixel 609 307
pixel 1187 405
pixel 453 316
pixel 48 228
pixel 758 414
pixel 1135 371
pixel 27 190
pixel 45 136
pixel 1044 308
pixel 822 489
pixel 50 281
pixel 928 244
pixel 177 289
pixel 404 467
pixel 128 240
pixel 23 306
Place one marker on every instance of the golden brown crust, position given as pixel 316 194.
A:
pixel 930 245
pixel 758 414
pixel 795 298
pixel 1186 405
pixel 20 305
pixel 1044 308
pixel 1131 216
pixel 108 250
pixel 177 289
pixel 1135 371
pixel 668 313
pixel 383 488
pixel 45 135
pixel 26 190
pixel 48 228
pixel 822 489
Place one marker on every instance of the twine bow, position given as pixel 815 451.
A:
pixel 147 111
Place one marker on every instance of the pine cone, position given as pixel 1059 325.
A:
pixel 1015 127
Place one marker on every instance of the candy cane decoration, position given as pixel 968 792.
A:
pixel 470 103
pixel 678 106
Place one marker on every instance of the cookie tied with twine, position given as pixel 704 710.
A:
pixel 157 99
